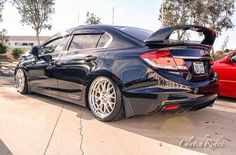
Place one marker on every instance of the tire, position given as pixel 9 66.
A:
pixel 21 83
pixel 105 100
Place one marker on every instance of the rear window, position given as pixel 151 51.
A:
pixel 140 34
pixel 104 41
pixel 84 42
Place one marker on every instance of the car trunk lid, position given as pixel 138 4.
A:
pixel 198 61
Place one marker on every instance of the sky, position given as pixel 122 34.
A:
pixel 71 13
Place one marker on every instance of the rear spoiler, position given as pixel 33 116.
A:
pixel 161 37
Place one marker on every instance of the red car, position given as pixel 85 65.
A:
pixel 226 69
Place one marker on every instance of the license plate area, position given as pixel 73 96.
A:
pixel 198 68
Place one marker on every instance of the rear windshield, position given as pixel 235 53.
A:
pixel 140 34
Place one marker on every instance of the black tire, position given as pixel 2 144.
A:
pixel 118 111
pixel 24 89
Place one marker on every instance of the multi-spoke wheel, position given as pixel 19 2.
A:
pixel 21 82
pixel 105 99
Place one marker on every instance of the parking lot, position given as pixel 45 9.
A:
pixel 35 124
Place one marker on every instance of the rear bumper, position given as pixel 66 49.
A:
pixel 148 100
pixel 190 104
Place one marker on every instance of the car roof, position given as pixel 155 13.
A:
pixel 127 30
pixel 101 26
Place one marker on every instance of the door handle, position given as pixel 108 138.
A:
pixel 90 58
pixel 58 64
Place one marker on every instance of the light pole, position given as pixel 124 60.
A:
pixel 113 15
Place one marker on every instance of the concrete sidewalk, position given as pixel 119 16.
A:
pixel 36 125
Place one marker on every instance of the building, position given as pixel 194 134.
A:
pixel 24 41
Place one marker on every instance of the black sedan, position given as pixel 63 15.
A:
pixel 120 71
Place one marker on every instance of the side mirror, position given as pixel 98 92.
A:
pixel 35 51
pixel 47 58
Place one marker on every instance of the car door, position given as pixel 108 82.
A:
pixel 80 59
pixel 41 73
pixel 227 76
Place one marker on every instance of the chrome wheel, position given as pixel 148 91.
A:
pixel 102 97
pixel 20 80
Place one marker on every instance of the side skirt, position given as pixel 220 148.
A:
pixel 53 94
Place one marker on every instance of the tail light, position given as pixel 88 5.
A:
pixel 170 107
pixel 164 60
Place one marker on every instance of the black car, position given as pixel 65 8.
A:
pixel 120 71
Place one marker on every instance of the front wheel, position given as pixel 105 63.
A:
pixel 105 100
pixel 21 82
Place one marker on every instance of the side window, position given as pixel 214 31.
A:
pixel 118 43
pixel 233 58
pixel 54 46
pixel 84 41
pixel 104 40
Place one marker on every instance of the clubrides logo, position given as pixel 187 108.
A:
pixel 207 141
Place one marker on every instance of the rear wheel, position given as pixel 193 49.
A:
pixel 21 82
pixel 105 99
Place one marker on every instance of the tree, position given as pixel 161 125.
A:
pixel 3 32
pixel 1 8
pixel 92 19
pixel 35 13
pixel 3 38
pixel 211 13
pixel 224 45
pixel 214 14
pixel 175 12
